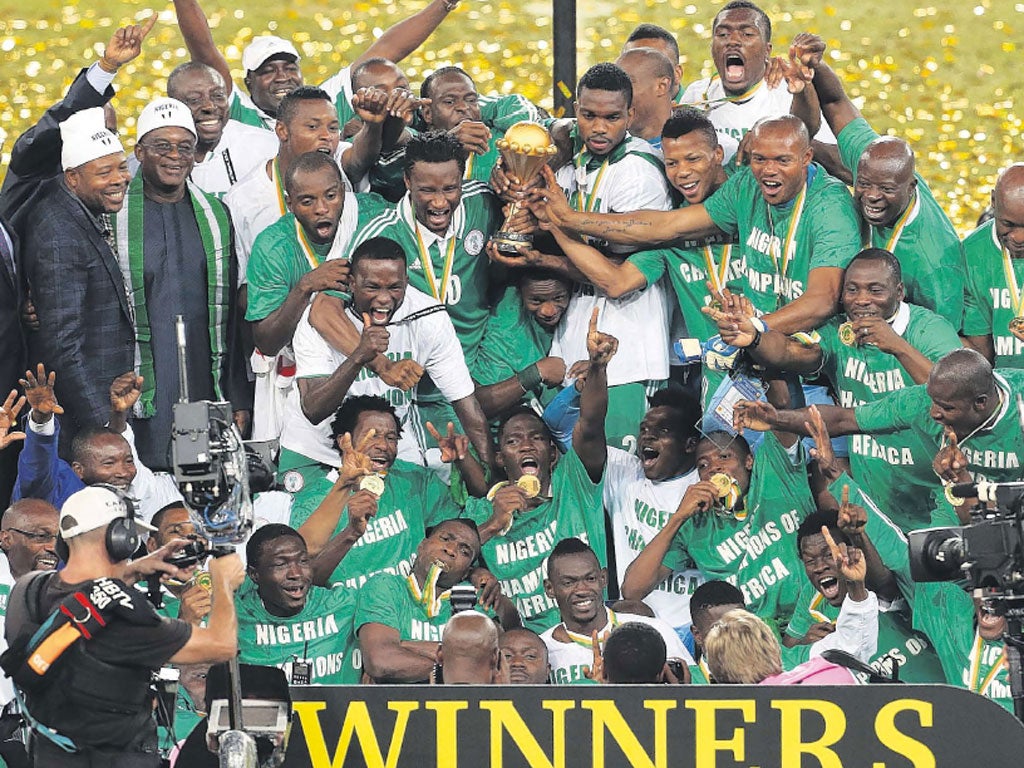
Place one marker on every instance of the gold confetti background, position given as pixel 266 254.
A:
pixel 943 76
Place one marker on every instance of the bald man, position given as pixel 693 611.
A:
pixel 28 531
pixel 781 203
pixel 962 424
pixel 993 310
pixel 663 41
pixel 652 76
pixel 469 650
pixel 898 210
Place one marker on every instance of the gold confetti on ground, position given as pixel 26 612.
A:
pixel 944 76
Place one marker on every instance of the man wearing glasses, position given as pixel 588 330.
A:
pixel 174 249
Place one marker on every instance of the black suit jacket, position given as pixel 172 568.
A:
pixel 85 332
pixel 35 158
pixel 12 338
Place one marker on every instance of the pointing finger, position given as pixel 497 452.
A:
pixel 366 440
pixel 593 320
pixel 846 496
pixel 366 321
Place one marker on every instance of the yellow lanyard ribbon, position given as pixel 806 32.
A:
pixel 1016 294
pixel 469 166
pixel 783 259
pixel 587 641
pixel 275 178
pixel 585 203
pixel 976 653
pixel 438 292
pixel 708 103
pixel 428 597
pixel 306 246
pixel 717 275
pixel 813 608
pixel 897 230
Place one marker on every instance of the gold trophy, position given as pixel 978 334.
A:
pixel 525 149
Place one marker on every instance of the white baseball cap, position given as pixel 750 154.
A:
pixel 163 113
pixel 262 48
pixel 90 508
pixel 84 138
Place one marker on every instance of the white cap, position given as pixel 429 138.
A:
pixel 262 48
pixel 90 508
pixel 163 113
pixel 84 137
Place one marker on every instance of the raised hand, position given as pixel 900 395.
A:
pixel 852 517
pixel 125 391
pixel 877 332
pixel 473 135
pixel 332 275
pixel 731 313
pixel 403 103
pixel 126 44
pixel 753 414
pixel 595 671
pixel 601 347
pixel 373 341
pixel 548 202
pixel 849 560
pixel 38 388
pixel 371 105
pixel 506 502
pixel 355 464
pixel 950 463
pixel 362 505
pixel 807 48
pixel 699 497
pixel 453 446
pixel 402 374
pixel 9 417
pixel 822 451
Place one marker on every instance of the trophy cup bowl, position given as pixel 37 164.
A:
pixel 525 149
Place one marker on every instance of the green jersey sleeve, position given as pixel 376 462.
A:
pixel 800 622
pixel 853 140
pixel 502 112
pixel 722 206
pixel 893 412
pixel 933 335
pixel 835 228
pixel 650 263
pixel 271 272
pixel 379 602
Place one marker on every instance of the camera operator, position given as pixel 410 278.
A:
pixel 94 706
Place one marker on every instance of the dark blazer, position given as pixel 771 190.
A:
pixel 35 158
pixel 85 334
pixel 12 337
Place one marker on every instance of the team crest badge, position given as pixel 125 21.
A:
pixel 474 242
pixel 293 481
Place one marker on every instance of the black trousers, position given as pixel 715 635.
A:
pixel 43 753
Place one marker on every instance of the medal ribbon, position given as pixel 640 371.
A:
pixel 900 225
pixel 275 178
pixel 469 166
pixel 789 244
pixel 976 653
pixel 813 608
pixel 306 246
pixel 428 597
pixel 718 275
pixel 588 642
pixel 438 293
pixel 585 203
pixel 1016 293
pixel 707 103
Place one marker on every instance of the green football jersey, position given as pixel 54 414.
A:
pixel 339 87
pixel 895 468
pixel 463 285
pixel 278 260
pixel 320 633
pixel 755 549
pixel 923 240
pixel 518 559
pixel 819 231
pixel 993 454
pixel 414 499
pixel 988 298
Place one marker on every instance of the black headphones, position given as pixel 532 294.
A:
pixel 122 538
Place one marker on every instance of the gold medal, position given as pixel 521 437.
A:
pixel 204 580
pixel 847 335
pixel 722 482
pixel 372 483
pixel 952 498
pixel 1017 327
pixel 529 485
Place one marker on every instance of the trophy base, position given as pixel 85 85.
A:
pixel 511 242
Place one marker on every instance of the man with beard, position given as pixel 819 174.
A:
pixel 226 150
pixel 354 532
pixel 737 96
pixel 174 248
pixel 399 620
pixel 795 225
pixel 740 532
pixel 994 304
pixel 392 319
pixel 965 414
pixel 98 455
pixel 272 68
pixel 514 366
pixel 895 204
pixel 881 344
pixel 297 256
pixel 576 583
pixel 285 621
pixel 85 323
pixel 519 529
pixel 28 533
pixel 641 491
